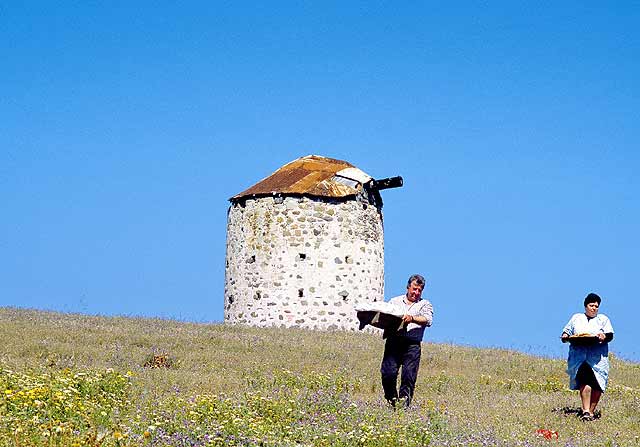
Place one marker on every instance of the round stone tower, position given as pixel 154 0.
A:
pixel 304 246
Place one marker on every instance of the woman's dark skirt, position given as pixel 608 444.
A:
pixel 586 376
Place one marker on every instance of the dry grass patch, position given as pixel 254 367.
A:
pixel 212 384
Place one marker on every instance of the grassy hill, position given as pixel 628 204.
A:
pixel 69 379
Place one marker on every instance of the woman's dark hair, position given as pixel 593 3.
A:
pixel 592 298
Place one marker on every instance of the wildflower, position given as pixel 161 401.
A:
pixel 547 434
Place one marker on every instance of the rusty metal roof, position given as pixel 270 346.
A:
pixel 311 175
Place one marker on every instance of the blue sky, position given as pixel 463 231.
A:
pixel 125 127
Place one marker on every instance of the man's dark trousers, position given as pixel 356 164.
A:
pixel 400 352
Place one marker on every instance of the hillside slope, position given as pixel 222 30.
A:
pixel 177 383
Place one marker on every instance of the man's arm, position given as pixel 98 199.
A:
pixel 425 318
pixel 422 321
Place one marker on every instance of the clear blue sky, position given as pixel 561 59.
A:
pixel 126 126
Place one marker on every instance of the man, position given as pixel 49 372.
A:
pixel 402 348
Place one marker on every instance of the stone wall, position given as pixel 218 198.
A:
pixel 300 262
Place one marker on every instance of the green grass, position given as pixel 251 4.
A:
pixel 69 379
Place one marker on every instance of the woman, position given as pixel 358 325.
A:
pixel 588 361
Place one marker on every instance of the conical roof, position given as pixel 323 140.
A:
pixel 312 175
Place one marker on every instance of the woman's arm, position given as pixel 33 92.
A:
pixel 605 337
pixel 568 329
pixel 608 337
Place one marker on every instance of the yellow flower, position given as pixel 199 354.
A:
pixel 117 435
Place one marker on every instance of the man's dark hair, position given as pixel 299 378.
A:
pixel 419 279
pixel 592 298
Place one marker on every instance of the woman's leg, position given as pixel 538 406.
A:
pixel 594 399
pixel 585 397
pixel 590 391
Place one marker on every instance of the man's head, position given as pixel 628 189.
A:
pixel 415 286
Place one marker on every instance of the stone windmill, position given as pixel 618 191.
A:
pixel 305 245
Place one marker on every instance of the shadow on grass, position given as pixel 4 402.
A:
pixel 575 411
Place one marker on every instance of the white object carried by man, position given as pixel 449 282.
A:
pixel 380 314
